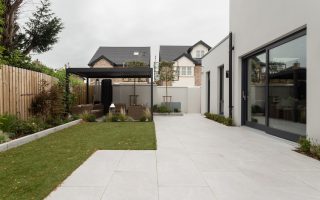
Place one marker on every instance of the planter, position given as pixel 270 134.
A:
pixel 29 138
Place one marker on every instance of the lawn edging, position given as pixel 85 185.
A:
pixel 29 138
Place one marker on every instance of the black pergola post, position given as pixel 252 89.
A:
pixel 87 90
pixel 67 92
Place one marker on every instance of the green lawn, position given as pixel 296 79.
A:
pixel 33 170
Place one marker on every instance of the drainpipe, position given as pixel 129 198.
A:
pixel 231 48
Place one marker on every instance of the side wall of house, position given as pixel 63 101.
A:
pixel 252 29
pixel 216 58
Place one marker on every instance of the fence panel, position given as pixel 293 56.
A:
pixel 18 87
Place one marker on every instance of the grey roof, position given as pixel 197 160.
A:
pixel 170 53
pixel 119 55
pixel 173 53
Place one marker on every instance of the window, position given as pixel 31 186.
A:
pixel 199 53
pixel 189 71
pixel 275 94
pixel 136 53
pixel 183 71
pixel 186 71
pixel 202 53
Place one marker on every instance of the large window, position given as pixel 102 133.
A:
pixel 186 71
pixel 287 86
pixel 275 93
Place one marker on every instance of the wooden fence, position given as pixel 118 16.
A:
pixel 18 87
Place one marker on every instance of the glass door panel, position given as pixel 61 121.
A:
pixel 287 86
pixel 256 101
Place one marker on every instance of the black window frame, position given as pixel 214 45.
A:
pixel 244 89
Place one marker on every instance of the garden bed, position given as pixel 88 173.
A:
pixel 309 148
pixel 29 138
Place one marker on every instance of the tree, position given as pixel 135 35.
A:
pixel 133 64
pixel 10 25
pixel 167 74
pixel 39 34
pixel 1 24
pixel 41 31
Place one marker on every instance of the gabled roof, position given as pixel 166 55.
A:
pixel 173 53
pixel 117 56
pixel 196 44
pixel 170 53
pixel 187 56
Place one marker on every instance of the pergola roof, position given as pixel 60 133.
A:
pixel 138 72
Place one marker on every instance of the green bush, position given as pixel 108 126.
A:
pixel 219 118
pixel 143 119
pixel 9 123
pixel 304 145
pixel 4 138
pixel 315 150
pixel 88 117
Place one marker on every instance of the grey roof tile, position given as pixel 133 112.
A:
pixel 120 55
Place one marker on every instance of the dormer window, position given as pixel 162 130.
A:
pixel 136 53
pixel 199 53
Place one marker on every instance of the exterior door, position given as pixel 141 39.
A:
pixel 274 92
pixel 221 90
pixel 208 92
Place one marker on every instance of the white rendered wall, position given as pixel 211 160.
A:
pixel 257 23
pixel 185 81
pixel 188 96
pixel 211 62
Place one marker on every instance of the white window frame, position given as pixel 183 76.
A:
pixel 186 71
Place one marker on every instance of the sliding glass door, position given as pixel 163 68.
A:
pixel 274 92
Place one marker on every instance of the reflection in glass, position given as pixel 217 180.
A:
pixel 287 87
pixel 256 88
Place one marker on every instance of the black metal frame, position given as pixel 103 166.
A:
pixel 266 49
pixel 139 72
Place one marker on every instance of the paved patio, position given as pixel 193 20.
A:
pixel 197 159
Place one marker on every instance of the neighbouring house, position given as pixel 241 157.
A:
pixel 265 73
pixel 118 57
pixel 187 62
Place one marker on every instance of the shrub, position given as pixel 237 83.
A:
pixel 9 123
pixel 315 150
pixel 304 145
pixel 4 138
pixel 147 114
pixel 88 117
pixel 219 118
pixel 143 119
pixel 176 110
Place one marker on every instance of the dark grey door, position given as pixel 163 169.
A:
pixel 208 92
pixel 221 90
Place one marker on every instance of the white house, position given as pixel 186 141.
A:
pixel 265 74
pixel 187 60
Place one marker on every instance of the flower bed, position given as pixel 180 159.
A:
pixel 309 148
pixel 12 128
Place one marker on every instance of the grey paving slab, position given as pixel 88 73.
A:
pixel 198 159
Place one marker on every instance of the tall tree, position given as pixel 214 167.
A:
pixel 41 31
pixel 39 34
pixel 10 25
pixel 1 23
pixel 167 75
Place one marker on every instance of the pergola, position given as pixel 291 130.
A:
pixel 138 72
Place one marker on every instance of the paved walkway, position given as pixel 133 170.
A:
pixel 197 159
